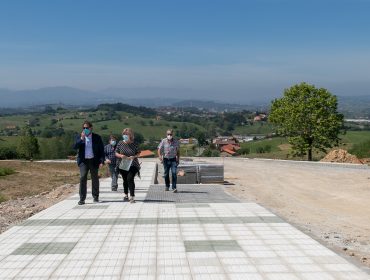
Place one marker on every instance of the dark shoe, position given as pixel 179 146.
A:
pixel 114 189
pixel 174 190
pixel 167 189
pixel 81 202
pixel 96 200
pixel 125 198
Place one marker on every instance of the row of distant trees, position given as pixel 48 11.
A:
pixel 306 115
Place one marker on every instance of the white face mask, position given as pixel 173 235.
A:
pixel 169 137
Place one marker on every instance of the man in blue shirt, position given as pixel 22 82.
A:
pixel 90 157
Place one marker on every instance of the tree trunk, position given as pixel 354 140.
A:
pixel 309 157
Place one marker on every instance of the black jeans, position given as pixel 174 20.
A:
pixel 85 167
pixel 170 164
pixel 128 180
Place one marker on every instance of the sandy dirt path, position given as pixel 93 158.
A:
pixel 330 202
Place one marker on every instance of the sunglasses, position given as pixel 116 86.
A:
pixel 86 127
pixel 169 133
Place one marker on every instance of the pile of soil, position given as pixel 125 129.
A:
pixel 341 156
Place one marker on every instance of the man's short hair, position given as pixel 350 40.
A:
pixel 112 137
pixel 88 123
pixel 170 130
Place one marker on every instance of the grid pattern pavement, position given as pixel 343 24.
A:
pixel 215 237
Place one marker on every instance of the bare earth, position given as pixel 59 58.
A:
pixel 329 202
pixel 34 187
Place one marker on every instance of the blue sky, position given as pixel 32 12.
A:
pixel 244 50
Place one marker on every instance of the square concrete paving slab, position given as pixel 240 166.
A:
pixel 198 233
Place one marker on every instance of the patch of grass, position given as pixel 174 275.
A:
pixel 2 198
pixel 361 150
pixel 272 143
pixel 352 138
pixel 255 129
pixel 4 171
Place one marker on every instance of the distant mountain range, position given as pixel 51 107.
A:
pixel 146 96
pixel 149 97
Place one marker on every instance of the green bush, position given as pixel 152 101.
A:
pixel 263 149
pixel 244 151
pixel 361 150
pixel 208 152
pixel 6 171
pixel 8 153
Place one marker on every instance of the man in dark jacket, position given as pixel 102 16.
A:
pixel 90 157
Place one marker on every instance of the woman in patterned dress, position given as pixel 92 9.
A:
pixel 127 149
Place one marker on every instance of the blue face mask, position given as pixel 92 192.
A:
pixel 113 143
pixel 125 137
pixel 87 131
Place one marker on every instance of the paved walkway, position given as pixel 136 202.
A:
pixel 198 233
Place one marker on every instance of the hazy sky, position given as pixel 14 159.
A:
pixel 243 49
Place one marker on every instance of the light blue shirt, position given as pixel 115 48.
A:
pixel 89 153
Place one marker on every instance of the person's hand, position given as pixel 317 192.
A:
pixel 101 165
pixel 131 157
pixel 107 161
pixel 83 135
pixel 161 159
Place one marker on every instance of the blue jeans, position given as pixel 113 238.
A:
pixel 167 165
pixel 114 175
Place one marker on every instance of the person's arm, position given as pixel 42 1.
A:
pixel 78 143
pixel 118 154
pixel 159 152
pixel 106 155
pixel 101 151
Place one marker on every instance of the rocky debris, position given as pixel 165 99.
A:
pixel 341 156
pixel 14 211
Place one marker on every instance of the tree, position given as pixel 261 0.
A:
pixel 139 138
pixel 201 137
pixel 308 117
pixel 28 146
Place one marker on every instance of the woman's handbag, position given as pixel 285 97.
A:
pixel 125 164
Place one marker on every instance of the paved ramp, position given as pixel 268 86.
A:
pixel 198 233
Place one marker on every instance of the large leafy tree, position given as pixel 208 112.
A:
pixel 308 116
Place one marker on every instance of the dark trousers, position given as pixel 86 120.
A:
pixel 128 180
pixel 85 167
pixel 170 164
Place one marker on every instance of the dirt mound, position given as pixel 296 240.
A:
pixel 341 156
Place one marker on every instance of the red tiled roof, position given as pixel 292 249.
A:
pixel 229 151
pixel 146 153
pixel 230 147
